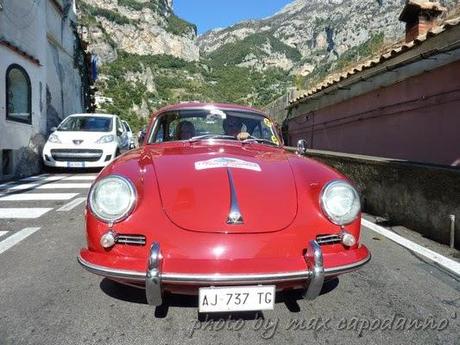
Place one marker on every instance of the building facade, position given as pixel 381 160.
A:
pixel 404 104
pixel 43 78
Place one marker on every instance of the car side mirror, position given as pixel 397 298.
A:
pixel 53 129
pixel 302 147
pixel 119 132
pixel 141 139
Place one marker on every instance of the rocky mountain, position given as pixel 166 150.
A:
pixel 148 57
pixel 143 27
pixel 309 35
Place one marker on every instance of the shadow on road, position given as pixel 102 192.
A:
pixel 137 295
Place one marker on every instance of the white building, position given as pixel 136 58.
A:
pixel 43 78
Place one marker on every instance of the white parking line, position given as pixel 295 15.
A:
pixel 447 263
pixel 16 238
pixel 71 205
pixel 65 186
pixel 38 196
pixel 3 233
pixel 22 213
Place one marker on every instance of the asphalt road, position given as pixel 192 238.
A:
pixel 47 298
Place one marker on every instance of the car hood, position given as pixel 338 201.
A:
pixel 82 138
pixel 198 184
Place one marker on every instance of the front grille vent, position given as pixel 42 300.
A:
pixel 133 240
pixel 328 239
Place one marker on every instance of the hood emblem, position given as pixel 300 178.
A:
pixel 234 217
pixel 77 142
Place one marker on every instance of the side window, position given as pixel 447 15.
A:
pixel 18 95
pixel 119 127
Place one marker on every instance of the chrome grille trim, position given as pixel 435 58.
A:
pixel 328 239
pixel 137 240
pixel 77 155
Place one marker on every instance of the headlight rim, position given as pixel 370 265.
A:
pixel 322 201
pixel 101 141
pixel 133 199
pixel 54 139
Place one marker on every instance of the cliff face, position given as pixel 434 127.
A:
pixel 148 57
pixel 307 33
pixel 137 27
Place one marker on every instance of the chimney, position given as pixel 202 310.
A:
pixel 420 16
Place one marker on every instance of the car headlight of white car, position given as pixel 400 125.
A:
pixel 340 202
pixel 53 138
pixel 112 199
pixel 105 139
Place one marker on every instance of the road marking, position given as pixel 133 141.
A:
pixel 65 186
pixel 3 233
pixel 38 196
pixel 16 238
pixel 38 178
pixel 24 186
pixel 447 263
pixel 5 185
pixel 81 178
pixel 71 205
pixel 23 213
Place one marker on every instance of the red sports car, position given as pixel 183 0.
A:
pixel 213 205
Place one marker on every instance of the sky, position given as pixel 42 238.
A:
pixel 211 14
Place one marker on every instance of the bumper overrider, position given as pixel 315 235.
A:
pixel 154 278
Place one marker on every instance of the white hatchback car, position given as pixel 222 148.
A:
pixel 85 141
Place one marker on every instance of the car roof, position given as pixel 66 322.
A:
pixel 199 105
pixel 92 115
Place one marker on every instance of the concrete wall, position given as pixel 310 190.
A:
pixel 406 106
pixel 278 108
pixel 420 197
pixel 45 32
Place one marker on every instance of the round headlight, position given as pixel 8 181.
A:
pixel 340 202
pixel 112 199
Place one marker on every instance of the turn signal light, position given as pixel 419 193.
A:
pixel 108 240
pixel 348 239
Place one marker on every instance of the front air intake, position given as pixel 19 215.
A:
pixel 133 240
pixel 328 239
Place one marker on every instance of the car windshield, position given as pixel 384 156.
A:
pixel 86 124
pixel 214 123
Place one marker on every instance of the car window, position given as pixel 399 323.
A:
pixel 126 125
pixel 86 124
pixel 188 124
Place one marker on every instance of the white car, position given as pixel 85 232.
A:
pixel 131 143
pixel 85 141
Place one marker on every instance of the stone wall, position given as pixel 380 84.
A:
pixel 418 196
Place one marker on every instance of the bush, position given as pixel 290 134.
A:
pixel 178 26
pixel 112 16
pixel 234 53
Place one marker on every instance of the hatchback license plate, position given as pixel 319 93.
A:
pixel 76 164
pixel 242 298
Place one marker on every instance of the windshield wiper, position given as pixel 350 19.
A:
pixel 211 136
pixel 259 140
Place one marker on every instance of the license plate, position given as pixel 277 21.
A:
pixel 243 298
pixel 76 164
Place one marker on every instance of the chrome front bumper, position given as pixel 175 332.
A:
pixel 154 277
